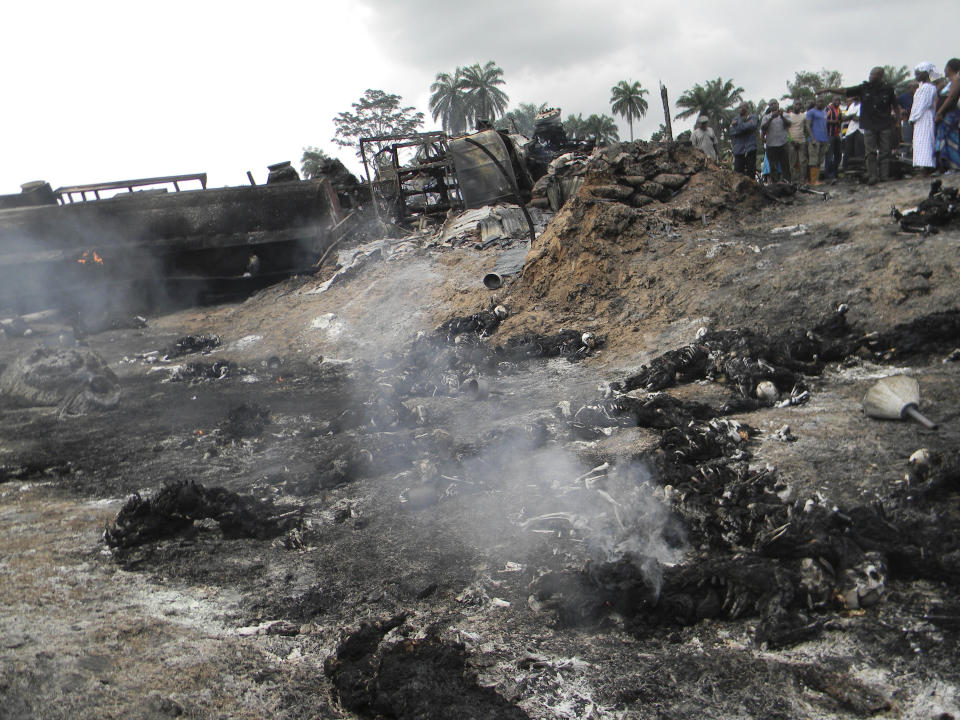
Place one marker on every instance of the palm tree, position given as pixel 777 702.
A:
pixel 486 100
pixel 626 100
pixel 603 128
pixel 716 100
pixel 759 107
pixel 899 77
pixel 449 102
pixel 575 126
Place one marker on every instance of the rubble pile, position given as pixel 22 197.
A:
pixel 594 258
pixel 676 180
pixel 564 176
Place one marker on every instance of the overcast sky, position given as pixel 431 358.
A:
pixel 98 91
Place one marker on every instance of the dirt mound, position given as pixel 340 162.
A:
pixel 633 194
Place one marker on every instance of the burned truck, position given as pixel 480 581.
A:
pixel 158 238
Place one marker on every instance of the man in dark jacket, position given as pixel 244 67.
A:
pixel 878 109
pixel 743 136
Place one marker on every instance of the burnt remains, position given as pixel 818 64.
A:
pixel 176 506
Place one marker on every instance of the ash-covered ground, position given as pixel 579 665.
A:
pixel 379 498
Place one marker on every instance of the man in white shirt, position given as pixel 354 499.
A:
pixel 703 137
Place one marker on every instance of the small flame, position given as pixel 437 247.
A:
pixel 92 256
pixel 199 432
pixel 279 379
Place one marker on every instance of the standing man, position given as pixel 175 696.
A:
pixel 703 137
pixel 743 135
pixel 817 139
pixel 774 128
pixel 834 120
pixel 878 118
pixel 797 142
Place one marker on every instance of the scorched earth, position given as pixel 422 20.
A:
pixel 379 497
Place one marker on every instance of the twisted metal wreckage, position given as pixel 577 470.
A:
pixel 158 237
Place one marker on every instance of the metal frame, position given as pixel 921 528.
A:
pixel 441 170
pixel 66 193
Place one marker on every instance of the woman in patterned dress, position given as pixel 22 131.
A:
pixel 948 121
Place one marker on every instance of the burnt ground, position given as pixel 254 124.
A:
pixel 397 562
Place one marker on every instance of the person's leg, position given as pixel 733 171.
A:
pixel 885 140
pixel 870 154
pixel 739 161
pixel 802 172
pixel 833 158
pixel 785 163
pixel 791 159
pixel 778 163
pixel 750 164
pixel 815 150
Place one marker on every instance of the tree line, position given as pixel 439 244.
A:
pixel 469 94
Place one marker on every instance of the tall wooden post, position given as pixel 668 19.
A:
pixel 666 112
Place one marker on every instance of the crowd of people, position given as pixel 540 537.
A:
pixel 858 129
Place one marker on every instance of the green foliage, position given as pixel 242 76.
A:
pixel 660 134
pixel 899 77
pixel 376 113
pixel 626 100
pixel 716 99
pixel 521 118
pixel 575 127
pixel 759 107
pixel 486 100
pixel 312 162
pixel 602 128
pixel 468 94
pixel 448 102
pixel 806 84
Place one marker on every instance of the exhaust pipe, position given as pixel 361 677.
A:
pixel 492 281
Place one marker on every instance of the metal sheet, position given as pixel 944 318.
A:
pixel 481 182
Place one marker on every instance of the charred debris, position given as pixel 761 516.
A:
pixel 754 548
pixel 941 207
